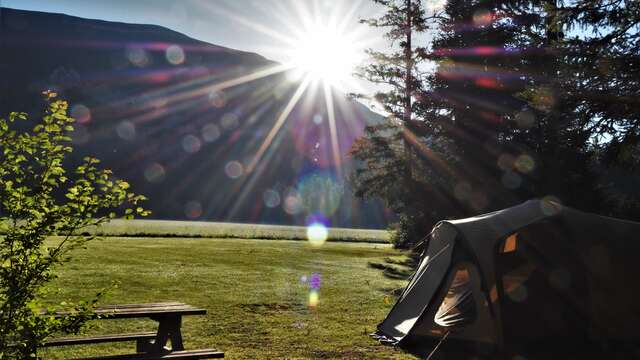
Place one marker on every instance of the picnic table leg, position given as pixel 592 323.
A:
pixel 168 329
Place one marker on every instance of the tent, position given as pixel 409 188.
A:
pixel 534 278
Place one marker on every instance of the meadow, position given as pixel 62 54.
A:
pixel 256 292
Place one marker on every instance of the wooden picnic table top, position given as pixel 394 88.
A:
pixel 152 310
pixel 123 311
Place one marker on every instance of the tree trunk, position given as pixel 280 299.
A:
pixel 408 57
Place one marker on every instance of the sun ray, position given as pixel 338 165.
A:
pixel 335 145
pixel 349 19
pixel 250 77
pixel 250 24
pixel 281 120
pixel 188 90
pixel 244 189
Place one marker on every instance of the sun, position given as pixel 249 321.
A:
pixel 325 53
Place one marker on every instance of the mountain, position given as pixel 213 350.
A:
pixel 183 120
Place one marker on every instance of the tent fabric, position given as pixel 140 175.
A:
pixel 567 273
pixel 457 308
pixel 421 288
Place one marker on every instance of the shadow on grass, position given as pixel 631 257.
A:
pixel 261 308
pixel 395 292
pixel 391 271
pixel 410 261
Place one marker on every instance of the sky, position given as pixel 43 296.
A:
pixel 258 26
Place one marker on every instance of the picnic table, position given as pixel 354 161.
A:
pixel 149 345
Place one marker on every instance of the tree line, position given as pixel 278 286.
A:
pixel 500 102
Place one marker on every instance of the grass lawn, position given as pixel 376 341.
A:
pixel 258 305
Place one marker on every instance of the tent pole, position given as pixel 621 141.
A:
pixel 437 346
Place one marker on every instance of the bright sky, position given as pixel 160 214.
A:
pixel 276 29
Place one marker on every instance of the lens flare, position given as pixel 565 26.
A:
pixel 217 99
pixel 525 164
pixel 315 281
pixel 191 144
pixel 154 173
pixel 292 203
pixel 233 169
pixel 506 162
pixel 229 121
pixel 314 298
pixel 511 180
pixel 126 130
pixel 482 18
pixel 321 193
pixel 462 191
pixel 317 234
pixel 138 56
pixel 193 209
pixel 271 198
pixel 81 113
pixel 175 55
pixel 210 132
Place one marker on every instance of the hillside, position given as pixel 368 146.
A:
pixel 150 104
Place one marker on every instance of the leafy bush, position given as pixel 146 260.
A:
pixel 40 198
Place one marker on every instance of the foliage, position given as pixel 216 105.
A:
pixel 40 198
pixel 526 99
pixel 531 88
pixel 388 150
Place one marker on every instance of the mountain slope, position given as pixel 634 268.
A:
pixel 183 120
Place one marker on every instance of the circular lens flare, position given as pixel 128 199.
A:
pixel 317 234
pixel 314 298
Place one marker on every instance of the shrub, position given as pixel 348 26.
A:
pixel 40 198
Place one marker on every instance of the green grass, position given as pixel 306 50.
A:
pixel 257 306
pixel 199 229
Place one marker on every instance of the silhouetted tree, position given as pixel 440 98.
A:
pixel 526 99
pixel 530 87
pixel 388 150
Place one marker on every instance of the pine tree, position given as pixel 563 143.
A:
pixel 601 76
pixel 526 88
pixel 471 98
pixel 527 99
pixel 388 150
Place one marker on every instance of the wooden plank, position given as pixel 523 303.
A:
pixel 145 310
pixel 149 309
pixel 184 355
pixel 125 314
pixel 143 305
pixel 100 339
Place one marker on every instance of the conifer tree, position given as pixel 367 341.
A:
pixel 526 89
pixel 388 149
pixel 527 99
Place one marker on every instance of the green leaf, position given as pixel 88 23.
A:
pixel 32 172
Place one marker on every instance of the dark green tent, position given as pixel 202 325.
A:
pixel 537 278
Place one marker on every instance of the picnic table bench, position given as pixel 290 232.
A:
pixel 149 345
